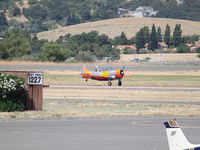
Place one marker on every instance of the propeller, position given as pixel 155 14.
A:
pixel 122 72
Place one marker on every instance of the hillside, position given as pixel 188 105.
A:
pixel 114 27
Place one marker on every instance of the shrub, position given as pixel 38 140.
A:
pixel 183 49
pixel 13 93
pixel 143 51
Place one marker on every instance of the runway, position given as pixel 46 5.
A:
pixel 123 87
pixel 93 134
pixel 131 67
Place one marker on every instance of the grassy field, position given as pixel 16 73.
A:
pixel 57 109
pixel 96 103
pixel 114 27
pixel 137 80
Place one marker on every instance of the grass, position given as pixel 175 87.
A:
pixel 70 109
pixel 137 80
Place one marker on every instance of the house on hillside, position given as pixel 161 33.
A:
pixel 145 11
pixel 161 45
pixel 179 2
pixel 124 13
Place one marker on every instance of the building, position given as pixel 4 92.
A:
pixel 121 47
pixel 144 11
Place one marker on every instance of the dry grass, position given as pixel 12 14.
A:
pixel 114 27
pixel 55 109
pixel 122 94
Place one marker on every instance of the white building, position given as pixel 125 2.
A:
pixel 145 11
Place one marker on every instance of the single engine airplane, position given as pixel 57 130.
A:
pixel 107 75
pixel 176 138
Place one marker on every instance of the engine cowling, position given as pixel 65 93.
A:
pixel 119 73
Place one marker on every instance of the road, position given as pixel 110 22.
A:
pixel 93 134
pixel 59 67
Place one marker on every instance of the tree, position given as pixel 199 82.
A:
pixel 3 22
pixel 53 52
pixel 177 35
pixel 3 52
pixel 159 35
pixel 17 43
pixel 167 35
pixel 146 34
pixel 153 41
pixel 16 11
pixel 123 39
pixel 140 40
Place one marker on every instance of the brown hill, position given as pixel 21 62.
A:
pixel 114 27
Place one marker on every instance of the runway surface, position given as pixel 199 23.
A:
pixel 93 134
pixel 123 87
pixel 143 67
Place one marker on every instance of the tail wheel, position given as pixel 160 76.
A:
pixel 119 83
pixel 109 83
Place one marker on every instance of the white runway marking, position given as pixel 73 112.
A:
pixel 123 87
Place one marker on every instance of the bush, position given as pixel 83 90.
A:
pixel 183 49
pixel 13 93
pixel 143 51
pixel 84 57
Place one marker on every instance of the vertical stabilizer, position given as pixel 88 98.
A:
pixel 175 136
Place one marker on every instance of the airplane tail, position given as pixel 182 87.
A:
pixel 176 138
pixel 84 70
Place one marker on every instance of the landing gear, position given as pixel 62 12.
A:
pixel 119 83
pixel 109 83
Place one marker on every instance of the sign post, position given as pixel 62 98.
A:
pixel 35 83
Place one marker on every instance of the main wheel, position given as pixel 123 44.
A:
pixel 109 83
pixel 119 83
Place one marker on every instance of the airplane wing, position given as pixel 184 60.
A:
pixel 95 77
pixel 126 76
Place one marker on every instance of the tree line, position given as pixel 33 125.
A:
pixel 86 47
pixel 47 14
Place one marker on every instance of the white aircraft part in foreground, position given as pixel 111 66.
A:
pixel 176 138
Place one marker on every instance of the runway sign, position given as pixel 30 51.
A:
pixel 35 78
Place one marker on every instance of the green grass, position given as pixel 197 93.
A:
pixel 137 80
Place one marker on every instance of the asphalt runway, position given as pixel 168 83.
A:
pixel 123 87
pixel 140 67
pixel 93 134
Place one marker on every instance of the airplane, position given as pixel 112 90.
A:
pixel 107 75
pixel 176 138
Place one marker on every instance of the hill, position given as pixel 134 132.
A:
pixel 114 27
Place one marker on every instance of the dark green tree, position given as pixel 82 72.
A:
pixel 123 39
pixel 159 34
pixel 3 22
pixel 167 35
pixel 153 41
pixel 140 40
pixel 53 52
pixel 16 11
pixel 177 34
pixel 17 43
pixel 3 52
pixel 146 34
